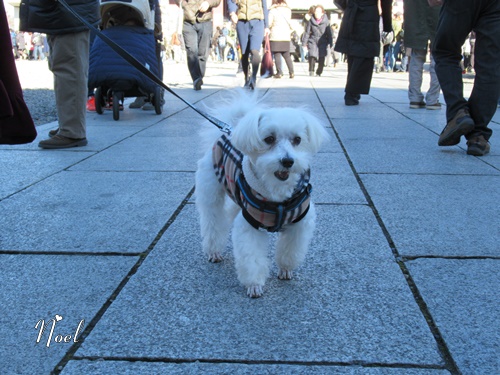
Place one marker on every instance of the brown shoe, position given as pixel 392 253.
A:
pixel 58 141
pixel 53 132
pixel 461 124
pixel 478 146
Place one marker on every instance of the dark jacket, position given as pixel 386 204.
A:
pixel 420 23
pixel 191 13
pixel 359 33
pixel 318 36
pixel 50 17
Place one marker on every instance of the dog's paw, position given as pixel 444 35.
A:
pixel 285 274
pixel 215 258
pixel 255 291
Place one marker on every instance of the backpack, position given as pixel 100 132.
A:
pixel 222 41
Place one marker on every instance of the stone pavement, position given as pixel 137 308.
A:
pixel 402 276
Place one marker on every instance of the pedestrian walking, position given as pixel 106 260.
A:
pixel 359 38
pixel 251 19
pixel 197 34
pixel 420 30
pixel 280 16
pixel 318 38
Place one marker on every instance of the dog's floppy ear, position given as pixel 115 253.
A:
pixel 245 136
pixel 316 133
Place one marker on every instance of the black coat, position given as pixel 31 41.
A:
pixel 359 33
pixel 50 17
pixel 318 36
pixel 16 125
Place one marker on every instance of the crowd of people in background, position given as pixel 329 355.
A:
pixel 28 45
pixel 398 42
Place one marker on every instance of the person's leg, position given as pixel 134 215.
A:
pixel 69 62
pixel 190 35
pixel 455 23
pixel 321 65
pixel 432 95
pixel 312 63
pixel 256 36
pixel 359 75
pixel 289 63
pixel 277 62
pixel 204 39
pixel 485 93
pixel 416 69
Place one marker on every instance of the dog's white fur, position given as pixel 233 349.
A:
pixel 253 123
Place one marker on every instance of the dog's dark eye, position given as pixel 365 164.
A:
pixel 270 140
pixel 296 141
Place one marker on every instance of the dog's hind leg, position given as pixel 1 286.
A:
pixel 292 244
pixel 210 197
pixel 250 256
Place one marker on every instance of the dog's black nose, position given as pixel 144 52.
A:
pixel 287 162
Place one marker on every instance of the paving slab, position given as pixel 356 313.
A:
pixel 459 295
pixel 439 215
pixel 349 302
pixel 92 211
pixel 26 167
pixel 36 287
pixel 122 367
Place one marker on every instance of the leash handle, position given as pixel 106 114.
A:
pixel 223 127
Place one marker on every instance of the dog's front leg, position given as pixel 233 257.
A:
pixel 293 243
pixel 250 256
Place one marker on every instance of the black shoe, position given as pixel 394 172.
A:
pixel 351 99
pixel 292 75
pixel 197 84
pixel 461 124
pixel 250 83
pixel 477 146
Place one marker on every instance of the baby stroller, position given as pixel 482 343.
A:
pixel 130 24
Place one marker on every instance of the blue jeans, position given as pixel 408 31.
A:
pixel 197 39
pixel 456 19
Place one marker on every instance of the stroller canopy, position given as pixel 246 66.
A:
pixel 127 12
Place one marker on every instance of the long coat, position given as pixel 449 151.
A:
pixel 16 125
pixel 359 33
pixel 318 36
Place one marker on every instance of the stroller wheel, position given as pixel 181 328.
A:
pixel 98 101
pixel 158 100
pixel 117 98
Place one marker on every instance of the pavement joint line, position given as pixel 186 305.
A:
pixel 95 320
pixel 442 346
pixel 354 363
pixel 69 253
pixel 408 258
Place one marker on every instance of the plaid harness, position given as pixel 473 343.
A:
pixel 259 212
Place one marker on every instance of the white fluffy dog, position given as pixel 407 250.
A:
pixel 263 167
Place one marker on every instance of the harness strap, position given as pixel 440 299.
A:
pixel 279 210
pixel 223 127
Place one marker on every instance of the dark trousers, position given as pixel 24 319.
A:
pixel 197 39
pixel 321 64
pixel 359 74
pixel 288 60
pixel 456 20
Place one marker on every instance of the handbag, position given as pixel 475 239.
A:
pixel 266 66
